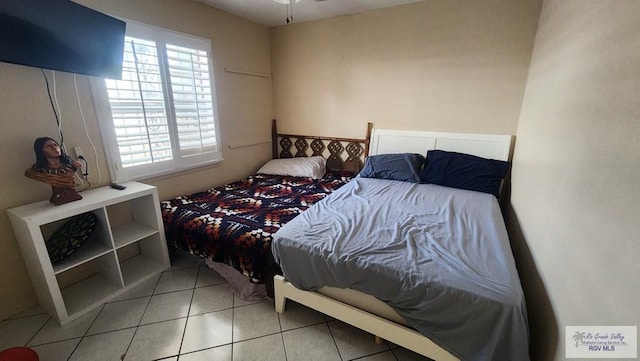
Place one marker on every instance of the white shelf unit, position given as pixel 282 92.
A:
pixel 127 247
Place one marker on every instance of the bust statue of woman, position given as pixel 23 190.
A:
pixel 55 168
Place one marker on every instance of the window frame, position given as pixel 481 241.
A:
pixel 178 163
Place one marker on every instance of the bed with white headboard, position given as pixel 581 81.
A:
pixel 365 311
pixel 490 146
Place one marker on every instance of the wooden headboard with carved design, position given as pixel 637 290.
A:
pixel 341 153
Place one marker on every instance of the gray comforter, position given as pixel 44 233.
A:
pixel 439 256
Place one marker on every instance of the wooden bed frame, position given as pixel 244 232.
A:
pixel 394 141
pixel 331 148
pixel 341 154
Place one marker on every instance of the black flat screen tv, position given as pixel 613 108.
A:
pixel 61 35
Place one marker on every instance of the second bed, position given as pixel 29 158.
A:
pixel 438 258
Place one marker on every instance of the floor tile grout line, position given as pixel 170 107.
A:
pixel 172 291
pixel 369 355
pixel 38 331
pixel 52 342
pixel 104 332
pixel 184 331
pixel 200 350
pixel 16 317
pixel 198 273
pixel 151 323
pixel 155 294
pixel 234 306
pixel 334 342
pixel 284 347
pixel 182 268
pixel 117 329
pixel 212 285
pixel 179 318
pixel 256 337
pixel 85 334
pixel 145 311
pixel 164 358
pixel 215 310
pixel 394 354
pixel 128 299
pixel 305 326
pixel 174 319
pixel 233 315
pixel 251 304
pixel 86 331
pixel 326 322
pixel 170 319
pixel 233 341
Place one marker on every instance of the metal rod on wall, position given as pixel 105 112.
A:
pixel 246 72
pixel 244 145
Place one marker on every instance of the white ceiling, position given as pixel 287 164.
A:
pixel 270 13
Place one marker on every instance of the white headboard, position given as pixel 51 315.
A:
pixel 406 141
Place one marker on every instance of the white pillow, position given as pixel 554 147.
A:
pixel 312 167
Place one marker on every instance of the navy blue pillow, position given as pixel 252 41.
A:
pixel 464 171
pixel 402 167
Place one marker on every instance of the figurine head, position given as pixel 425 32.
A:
pixel 46 148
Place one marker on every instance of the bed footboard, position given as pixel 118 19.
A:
pixel 363 320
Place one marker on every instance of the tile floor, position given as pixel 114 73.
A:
pixel 188 313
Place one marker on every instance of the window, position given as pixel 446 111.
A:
pixel 161 117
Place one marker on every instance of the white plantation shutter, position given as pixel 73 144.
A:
pixel 161 117
pixel 138 106
pixel 191 90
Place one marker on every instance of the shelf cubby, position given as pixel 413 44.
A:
pixel 126 248
pixel 139 260
pixel 131 232
pixel 91 284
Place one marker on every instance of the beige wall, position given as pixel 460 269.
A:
pixel 576 171
pixel 443 65
pixel 245 112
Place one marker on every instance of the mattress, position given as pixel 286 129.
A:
pixel 233 224
pixel 440 257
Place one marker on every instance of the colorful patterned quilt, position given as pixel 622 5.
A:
pixel 233 223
